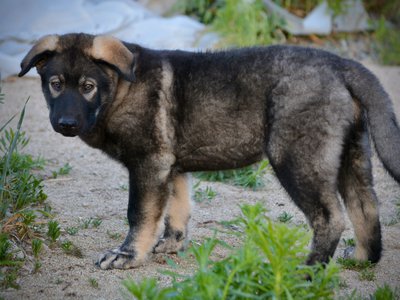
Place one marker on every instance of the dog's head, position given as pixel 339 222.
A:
pixel 79 73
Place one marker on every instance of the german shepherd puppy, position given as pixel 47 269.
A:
pixel 166 113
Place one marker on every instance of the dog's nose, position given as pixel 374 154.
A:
pixel 67 123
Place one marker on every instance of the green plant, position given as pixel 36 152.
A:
pixel 18 186
pixel 246 23
pixel 64 170
pixel 201 195
pixel 53 230
pixel 72 230
pixel 36 266
pixel 91 222
pixel 353 264
pixel 349 242
pixel 8 265
pixel 203 10
pixel 302 7
pixel 367 275
pixel 37 246
pixel 388 42
pixel 269 265
pixel 385 293
pixel 96 222
pixel 115 235
pixel 249 177
pixel 124 187
pixel 5 246
pixel 69 248
pixel 285 217
pixel 21 198
pixel 94 283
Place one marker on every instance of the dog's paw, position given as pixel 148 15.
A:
pixel 169 246
pixel 117 259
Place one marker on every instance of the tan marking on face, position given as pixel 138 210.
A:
pixel 112 51
pixel 56 79
pixel 89 96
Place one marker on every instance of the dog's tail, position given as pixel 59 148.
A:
pixel 385 132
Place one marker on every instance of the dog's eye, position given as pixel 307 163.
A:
pixel 88 87
pixel 56 85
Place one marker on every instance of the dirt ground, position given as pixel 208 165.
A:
pixel 96 188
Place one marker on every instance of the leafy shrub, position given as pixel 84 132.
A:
pixel 246 23
pixel 269 265
pixel 240 22
pixel 21 197
pixel 18 186
pixel 203 10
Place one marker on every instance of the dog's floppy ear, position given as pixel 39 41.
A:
pixel 43 48
pixel 114 53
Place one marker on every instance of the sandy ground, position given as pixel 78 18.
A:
pixel 95 188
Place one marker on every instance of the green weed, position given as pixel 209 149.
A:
pixel 388 42
pixel 72 230
pixel 53 230
pixel 248 177
pixel 96 222
pixel 37 246
pixel 124 187
pixel 94 283
pixel 203 10
pixel 246 23
pixel 18 186
pixel 115 235
pixel 36 266
pixel 367 275
pixel 90 223
pixel 5 247
pixel 353 264
pixel 349 242
pixel 285 217
pixel 269 265
pixel 69 248
pixel 8 265
pixel 21 198
pixel 201 195
pixel 64 170
pixel 385 293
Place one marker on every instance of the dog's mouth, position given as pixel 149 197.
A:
pixel 69 133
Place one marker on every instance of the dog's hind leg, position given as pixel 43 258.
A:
pixel 356 188
pixel 177 218
pixel 304 144
pixel 318 200
pixel 310 178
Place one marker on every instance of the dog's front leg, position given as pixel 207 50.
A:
pixel 148 194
